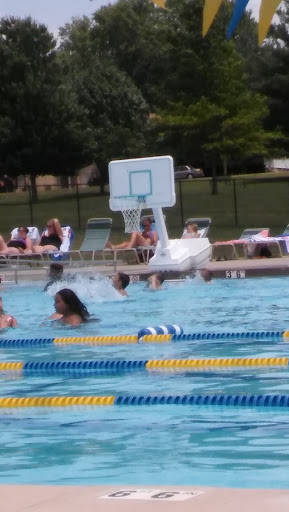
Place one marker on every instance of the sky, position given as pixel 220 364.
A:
pixel 55 13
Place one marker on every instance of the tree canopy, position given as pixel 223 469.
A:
pixel 136 80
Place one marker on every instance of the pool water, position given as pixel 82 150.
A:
pixel 149 445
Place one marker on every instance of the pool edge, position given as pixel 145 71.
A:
pixel 46 498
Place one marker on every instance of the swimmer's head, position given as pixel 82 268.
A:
pixel 55 270
pixel 120 281
pixel 206 275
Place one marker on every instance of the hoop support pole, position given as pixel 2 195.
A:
pixel 161 227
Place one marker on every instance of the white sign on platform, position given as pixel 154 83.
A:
pixel 235 274
pixel 134 279
pixel 152 494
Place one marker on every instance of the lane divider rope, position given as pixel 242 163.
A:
pixel 128 365
pixel 153 338
pixel 128 400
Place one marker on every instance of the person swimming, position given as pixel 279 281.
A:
pixel 69 309
pixel 155 281
pixel 55 274
pixel 120 282
pixel 6 320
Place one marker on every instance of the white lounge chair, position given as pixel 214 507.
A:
pixel 203 224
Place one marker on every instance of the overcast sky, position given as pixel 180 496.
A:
pixel 55 13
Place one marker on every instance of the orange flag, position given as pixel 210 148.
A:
pixel 160 3
pixel 267 11
pixel 211 8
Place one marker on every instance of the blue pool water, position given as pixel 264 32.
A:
pixel 188 445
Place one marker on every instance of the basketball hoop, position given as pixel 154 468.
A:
pixel 132 215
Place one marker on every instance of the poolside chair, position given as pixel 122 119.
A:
pixel 223 251
pixel 248 233
pixel 141 254
pixel 286 231
pixel 96 236
pixel 203 224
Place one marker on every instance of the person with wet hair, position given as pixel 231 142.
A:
pixel 155 281
pixel 6 320
pixel 120 282
pixel 55 274
pixel 69 309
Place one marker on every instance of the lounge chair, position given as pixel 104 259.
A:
pixel 96 236
pixel 223 251
pixel 141 253
pixel 203 224
pixel 248 233
pixel 286 231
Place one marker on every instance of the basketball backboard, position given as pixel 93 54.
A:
pixel 149 180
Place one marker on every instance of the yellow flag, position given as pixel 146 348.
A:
pixel 267 11
pixel 211 8
pixel 160 3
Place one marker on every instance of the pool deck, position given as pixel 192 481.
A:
pixel 240 268
pixel 33 498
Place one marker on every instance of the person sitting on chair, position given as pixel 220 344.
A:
pixel 20 245
pixel 53 240
pixel 191 231
pixel 144 238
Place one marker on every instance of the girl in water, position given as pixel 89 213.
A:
pixel 69 309
pixel 6 320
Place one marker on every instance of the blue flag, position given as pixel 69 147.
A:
pixel 240 6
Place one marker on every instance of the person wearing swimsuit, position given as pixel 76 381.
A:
pixel 6 320
pixel 145 238
pixel 69 309
pixel 20 245
pixel 53 240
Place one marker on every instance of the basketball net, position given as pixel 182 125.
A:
pixel 132 216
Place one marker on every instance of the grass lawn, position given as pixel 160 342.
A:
pixel 258 203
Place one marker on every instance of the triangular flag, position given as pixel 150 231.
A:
pixel 267 11
pixel 160 3
pixel 240 6
pixel 211 8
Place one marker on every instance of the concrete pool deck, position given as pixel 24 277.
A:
pixel 33 498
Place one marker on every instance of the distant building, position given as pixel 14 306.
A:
pixel 282 164
pixel 82 178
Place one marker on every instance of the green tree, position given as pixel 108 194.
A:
pixel 114 107
pixel 271 77
pixel 41 125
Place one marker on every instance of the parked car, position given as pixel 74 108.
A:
pixel 183 172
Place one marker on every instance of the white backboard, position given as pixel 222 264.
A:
pixel 151 178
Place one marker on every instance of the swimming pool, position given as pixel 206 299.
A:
pixel 187 445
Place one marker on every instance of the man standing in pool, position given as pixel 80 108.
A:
pixel 120 282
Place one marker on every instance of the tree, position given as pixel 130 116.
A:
pixel 41 125
pixel 271 77
pixel 113 105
